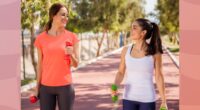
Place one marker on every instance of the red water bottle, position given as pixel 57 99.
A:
pixel 33 99
pixel 67 56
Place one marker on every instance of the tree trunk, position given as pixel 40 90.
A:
pixel 125 39
pixel 32 47
pixel 177 38
pixel 170 37
pixel 80 46
pixel 100 44
pixel 108 41
pixel 23 56
pixel 116 43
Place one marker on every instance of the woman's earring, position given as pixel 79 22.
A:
pixel 148 40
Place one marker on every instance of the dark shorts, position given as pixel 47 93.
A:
pixel 134 105
pixel 63 95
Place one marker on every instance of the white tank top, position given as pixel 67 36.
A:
pixel 139 78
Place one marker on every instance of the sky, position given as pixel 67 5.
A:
pixel 149 7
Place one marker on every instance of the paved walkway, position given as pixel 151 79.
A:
pixel 92 85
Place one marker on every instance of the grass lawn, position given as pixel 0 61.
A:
pixel 26 81
pixel 174 48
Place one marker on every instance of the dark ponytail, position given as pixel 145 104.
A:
pixel 48 25
pixel 155 45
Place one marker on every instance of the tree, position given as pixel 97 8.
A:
pixel 168 13
pixel 35 12
pixel 29 11
pixel 105 16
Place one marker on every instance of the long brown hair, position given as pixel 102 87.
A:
pixel 153 33
pixel 54 9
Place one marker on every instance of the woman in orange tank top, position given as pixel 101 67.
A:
pixel 57 52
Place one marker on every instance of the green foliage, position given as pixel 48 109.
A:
pixel 26 81
pixel 85 15
pixel 100 15
pixel 36 11
pixel 168 15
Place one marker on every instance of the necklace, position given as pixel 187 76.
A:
pixel 138 51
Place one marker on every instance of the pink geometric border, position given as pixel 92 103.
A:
pixel 10 44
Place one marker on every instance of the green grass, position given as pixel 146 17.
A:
pixel 26 81
pixel 174 48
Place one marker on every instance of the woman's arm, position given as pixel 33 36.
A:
pixel 75 55
pixel 159 77
pixel 39 68
pixel 121 71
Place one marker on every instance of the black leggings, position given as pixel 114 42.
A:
pixel 49 95
pixel 134 105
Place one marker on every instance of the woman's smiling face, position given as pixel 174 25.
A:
pixel 61 18
pixel 136 31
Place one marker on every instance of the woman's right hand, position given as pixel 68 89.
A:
pixel 114 96
pixel 34 96
pixel 114 90
pixel 69 50
pixel 114 93
pixel 36 91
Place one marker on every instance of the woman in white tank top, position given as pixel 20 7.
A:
pixel 139 63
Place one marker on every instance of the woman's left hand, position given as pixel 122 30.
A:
pixel 69 50
pixel 163 105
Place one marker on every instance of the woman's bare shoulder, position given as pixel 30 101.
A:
pixel 124 50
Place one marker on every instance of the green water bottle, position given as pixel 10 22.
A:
pixel 163 108
pixel 114 89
